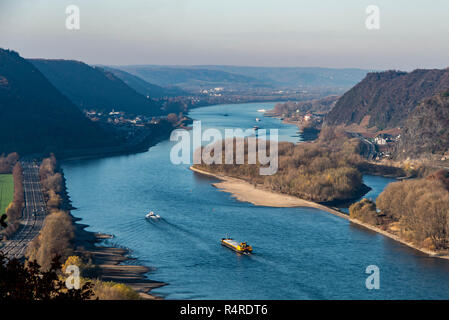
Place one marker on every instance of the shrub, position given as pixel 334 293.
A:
pixel 365 211
pixel 113 291
pixel 73 261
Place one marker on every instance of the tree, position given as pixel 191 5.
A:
pixel 53 240
pixel 421 206
pixel 7 162
pixel 29 282
pixel 365 211
pixel 172 118
pixel 74 261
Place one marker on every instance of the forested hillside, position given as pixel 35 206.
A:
pixel 298 77
pixel 194 79
pixel 385 99
pixel 426 130
pixel 35 116
pixel 143 87
pixel 95 88
pixel 243 78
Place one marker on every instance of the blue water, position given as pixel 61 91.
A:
pixel 377 185
pixel 300 253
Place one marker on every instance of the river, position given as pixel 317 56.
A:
pixel 300 253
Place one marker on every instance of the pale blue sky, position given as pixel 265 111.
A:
pixel 328 33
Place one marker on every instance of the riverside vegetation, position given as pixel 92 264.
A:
pixel 327 170
pixel 35 282
pixel 56 240
pixel 415 210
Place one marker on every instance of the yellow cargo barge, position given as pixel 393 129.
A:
pixel 241 247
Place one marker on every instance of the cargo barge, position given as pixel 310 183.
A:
pixel 241 247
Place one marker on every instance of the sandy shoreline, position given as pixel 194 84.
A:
pixel 246 192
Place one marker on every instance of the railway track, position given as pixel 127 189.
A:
pixel 33 214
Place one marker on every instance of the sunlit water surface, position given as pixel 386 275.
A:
pixel 300 253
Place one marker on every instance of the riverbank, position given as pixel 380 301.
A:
pixel 246 192
pixel 139 144
pixel 398 239
pixel 108 260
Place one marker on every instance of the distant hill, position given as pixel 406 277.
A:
pixel 143 87
pixel 385 99
pixel 426 129
pixel 195 78
pixel 95 88
pixel 298 77
pixel 35 116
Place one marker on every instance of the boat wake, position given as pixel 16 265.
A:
pixel 184 235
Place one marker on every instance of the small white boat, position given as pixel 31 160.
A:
pixel 257 120
pixel 262 110
pixel 152 215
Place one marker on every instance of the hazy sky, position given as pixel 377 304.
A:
pixel 328 33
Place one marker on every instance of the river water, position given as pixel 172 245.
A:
pixel 300 253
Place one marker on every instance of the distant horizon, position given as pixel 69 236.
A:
pixel 227 65
pixel 220 65
pixel 263 33
pixel 234 65
pixel 240 66
pixel 191 65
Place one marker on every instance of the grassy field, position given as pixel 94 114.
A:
pixel 6 191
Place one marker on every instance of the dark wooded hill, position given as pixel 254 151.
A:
pixel 35 116
pixel 145 88
pixel 426 130
pixel 387 98
pixel 95 88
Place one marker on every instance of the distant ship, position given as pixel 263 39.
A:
pixel 257 120
pixel 262 110
pixel 241 247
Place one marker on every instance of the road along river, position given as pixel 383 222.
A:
pixel 33 214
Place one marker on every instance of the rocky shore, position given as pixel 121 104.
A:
pixel 108 260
